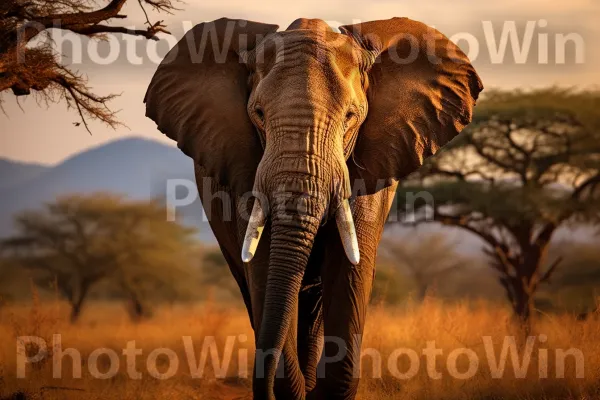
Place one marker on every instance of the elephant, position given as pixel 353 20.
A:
pixel 299 138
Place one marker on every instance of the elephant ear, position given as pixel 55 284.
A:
pixel 198 97
pixel 421 92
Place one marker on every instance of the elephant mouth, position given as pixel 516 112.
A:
pixel 343 218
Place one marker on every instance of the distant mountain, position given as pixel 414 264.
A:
pixel 139 169
pixel 135 167
pixel 13 172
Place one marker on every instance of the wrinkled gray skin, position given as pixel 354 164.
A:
pixel 323 117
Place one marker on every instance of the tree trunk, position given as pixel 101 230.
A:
pixel 136 308
pixel 523 305
pixel 421 292
pixel 77 304
pixel 520 294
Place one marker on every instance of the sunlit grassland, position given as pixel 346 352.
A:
pixel 391 333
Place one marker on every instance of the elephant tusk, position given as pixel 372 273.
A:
pixel 255 228
pixel 345 225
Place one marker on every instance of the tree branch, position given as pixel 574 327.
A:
pixel 79 18
pixel 589 183
pixel 463 222
pixel 550 272
pixel 24 66
pixel 149 33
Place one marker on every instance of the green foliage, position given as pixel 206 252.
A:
pixel 539 105
pixel 506 201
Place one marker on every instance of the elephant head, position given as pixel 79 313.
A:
pixel 305 118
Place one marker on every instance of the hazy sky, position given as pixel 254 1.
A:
pixel 47 134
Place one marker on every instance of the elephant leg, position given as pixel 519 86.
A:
pixel 346 294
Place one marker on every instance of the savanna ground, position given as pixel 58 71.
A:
pixel 452 326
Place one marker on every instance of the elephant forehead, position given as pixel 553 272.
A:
pixel 313 24
pixel 299 46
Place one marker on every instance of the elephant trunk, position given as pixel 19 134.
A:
pixel 303 178
pixel 295 220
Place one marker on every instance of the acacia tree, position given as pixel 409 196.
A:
pixel 426 259
pixel 27 63
pixel 528 164
pixel 79 241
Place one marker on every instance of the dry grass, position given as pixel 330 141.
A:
pixel 451 326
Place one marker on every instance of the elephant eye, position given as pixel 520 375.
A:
pixel 351 118
pixel 260 114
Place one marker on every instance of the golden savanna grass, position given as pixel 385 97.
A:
pixel 451 326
